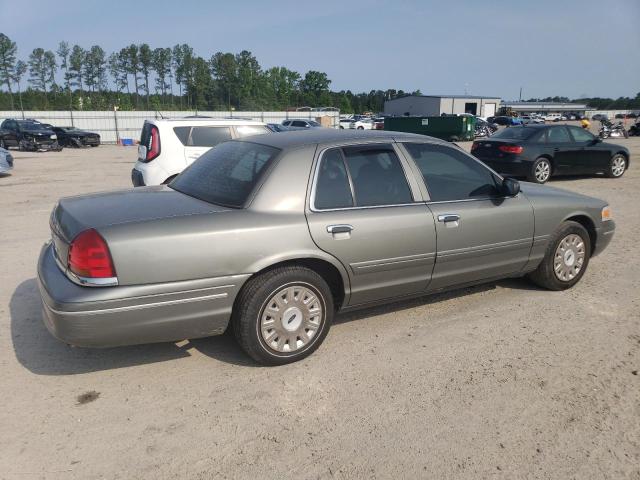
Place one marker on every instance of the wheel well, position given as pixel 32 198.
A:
pixel 587 223
pixel 328 272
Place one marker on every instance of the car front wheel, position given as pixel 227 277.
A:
pixel 283 315
pixel 617 166
pixel 540 171
pixel 565 259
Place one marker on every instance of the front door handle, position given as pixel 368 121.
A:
pixel 341 228
pixel 448 217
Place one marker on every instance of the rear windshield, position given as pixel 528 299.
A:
pixel 516 133
pixel 227 174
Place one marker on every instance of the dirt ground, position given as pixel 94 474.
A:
pixel 500 381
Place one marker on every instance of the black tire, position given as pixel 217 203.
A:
pixel 2 144
pixel 252 301
pixel 538 164
pixel 612 171
pixel 544 276
pixel 360 128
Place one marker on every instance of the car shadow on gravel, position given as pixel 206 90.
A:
pixel 38 351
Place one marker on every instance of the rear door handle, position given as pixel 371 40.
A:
pixel 341 228
pixel 449 217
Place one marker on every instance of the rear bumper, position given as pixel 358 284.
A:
pixel 130 315
pixel 136 178
pixel 150 173
pixel 604 235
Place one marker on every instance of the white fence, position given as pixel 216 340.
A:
pixel 115 125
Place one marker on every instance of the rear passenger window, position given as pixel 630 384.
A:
pixel 451 174
pixel 209 136
pixel 182 133
pixel 557 135
pixel 298 123
pixel 377 176
pixel 332 186
pixel 246 130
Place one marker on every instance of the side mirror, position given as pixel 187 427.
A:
pixel 596 140
pixel 510 187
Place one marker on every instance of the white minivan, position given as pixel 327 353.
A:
pixel 168 146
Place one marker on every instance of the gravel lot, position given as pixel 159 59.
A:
pixel 499 381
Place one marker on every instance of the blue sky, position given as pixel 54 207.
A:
pixel 548 47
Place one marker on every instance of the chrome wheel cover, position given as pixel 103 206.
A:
pixel 617 166
pixel 291 318
pixel 569 257
pixel 543 171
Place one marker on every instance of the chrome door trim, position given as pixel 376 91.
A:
pixel 340 228
pixel 449 217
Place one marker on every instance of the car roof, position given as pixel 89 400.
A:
pixel 203 121
pixel 299 138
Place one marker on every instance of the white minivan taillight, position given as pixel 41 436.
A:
pixel 153 147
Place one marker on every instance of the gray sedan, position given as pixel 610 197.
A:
pixel 272 235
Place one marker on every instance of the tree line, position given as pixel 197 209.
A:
pixel 138 77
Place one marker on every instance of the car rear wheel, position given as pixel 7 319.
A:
pixel 617 166
pixel 540 171
pixel 565 259
pixel 360 128
pixel 283 315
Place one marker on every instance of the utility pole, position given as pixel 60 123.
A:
pixel 520 97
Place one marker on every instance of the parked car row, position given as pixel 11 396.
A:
pixel 272 235
pixel 32 135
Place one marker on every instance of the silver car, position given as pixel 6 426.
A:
pixel 6 161
pixel 272 235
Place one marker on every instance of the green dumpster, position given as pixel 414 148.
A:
pixel 450 128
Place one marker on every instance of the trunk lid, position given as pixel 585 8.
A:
pixel 73 215
pixel 490 148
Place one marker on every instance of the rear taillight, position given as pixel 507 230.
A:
pixel 153 149
pixel 474 146
pixel 511 149
pixel 89 256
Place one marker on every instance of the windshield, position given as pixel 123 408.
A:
pixel 516 133
pixel 227 174
pixel 31 126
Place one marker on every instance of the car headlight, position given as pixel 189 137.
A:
pixel 607 214
pixel 53 137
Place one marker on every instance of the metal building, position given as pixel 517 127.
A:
pixel 546 107
pixel 436 105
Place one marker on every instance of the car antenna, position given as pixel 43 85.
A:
pixel 159 113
